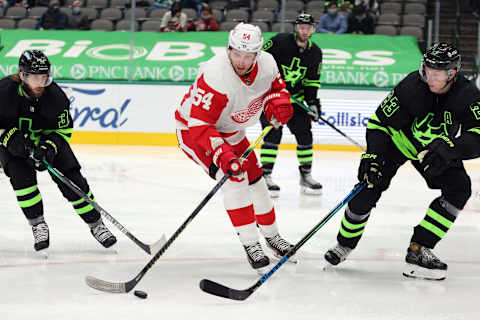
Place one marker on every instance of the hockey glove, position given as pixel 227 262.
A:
pixel 316 108
pixel 438 156
pixel 278 108
pixel 15 142
pixel 370 170
pixel 225 159
pixel 46 150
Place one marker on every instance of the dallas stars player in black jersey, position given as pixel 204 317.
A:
pixel 35 120
pixel 431 118
pixel 299 61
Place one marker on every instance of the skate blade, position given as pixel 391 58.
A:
pixel 111 251
pixel 43 253
pixel 274 194
pixel 326 266
pixel 310 192
pixel 417 272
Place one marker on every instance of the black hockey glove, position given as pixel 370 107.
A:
pixel 370 170
pixel 15 142
pixel 316 108
pixel 438 156
pixel 46 150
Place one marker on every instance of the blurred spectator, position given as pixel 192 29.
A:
pixel 5 4
pixel 53 18
pixel 332 22
pixel 197 5
pixel 371 6
pixel 235 4
pixel 165 4
pixel 205 23
pixel 21 3
pixel 360 21
pixel 138 3
pixel 345 7
pixel 78 19
pixel 42 3
pixel 174 20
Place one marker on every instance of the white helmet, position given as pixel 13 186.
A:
pixel 246 37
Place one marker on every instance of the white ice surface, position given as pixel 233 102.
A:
pixel 152 190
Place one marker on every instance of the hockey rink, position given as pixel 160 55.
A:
pixel 152 190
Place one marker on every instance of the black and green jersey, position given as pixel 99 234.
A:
pixel 299 67
pixel 38 117
pixel 412 116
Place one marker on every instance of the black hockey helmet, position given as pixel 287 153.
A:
pixel 305 18
pixel 441 56
pixel 35 62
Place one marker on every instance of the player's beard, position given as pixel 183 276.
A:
pixel 34 93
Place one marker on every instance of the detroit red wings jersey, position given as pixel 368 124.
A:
pixel 222 100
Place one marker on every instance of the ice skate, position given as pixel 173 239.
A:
pixel 423 264
pixel 41 236
pixel 273 188
pixel 280 247
pixel 257 258
pixel 308 185
pixel 337 254
pixel 102 234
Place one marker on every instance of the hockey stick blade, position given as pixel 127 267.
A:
pixel 111 287
pixel 158 245
pixel 220 290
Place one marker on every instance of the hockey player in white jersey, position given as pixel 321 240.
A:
pixel 229 94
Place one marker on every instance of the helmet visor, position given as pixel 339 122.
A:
pixel 305 28
pixel 34 80
pixel 436 74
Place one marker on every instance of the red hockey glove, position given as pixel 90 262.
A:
pixel 225 159
pixel 277 107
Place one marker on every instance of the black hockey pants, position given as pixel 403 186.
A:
pixel 455 186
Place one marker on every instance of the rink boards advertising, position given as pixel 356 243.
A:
pixel 352 60
pixel 107 108
pixel 124 114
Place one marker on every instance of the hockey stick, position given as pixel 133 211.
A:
pixel 220 290
pixel 146 247
pixel 304 106
pixel 124 287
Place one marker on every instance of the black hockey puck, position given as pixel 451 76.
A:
pixel 140 294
